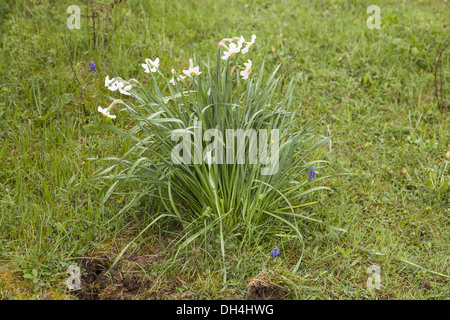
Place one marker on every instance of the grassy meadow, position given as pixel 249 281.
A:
pixel 389 134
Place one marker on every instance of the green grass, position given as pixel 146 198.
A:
pixel 389 134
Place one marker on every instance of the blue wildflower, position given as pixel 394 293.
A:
pixel 311 174
pixel 92 67
pixel 275 253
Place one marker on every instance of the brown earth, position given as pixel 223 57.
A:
pixel 263 287
pixel 119 283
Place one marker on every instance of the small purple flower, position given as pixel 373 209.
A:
pixel 311 174
pixel 92 67
pixel 275 253
pixel 147 172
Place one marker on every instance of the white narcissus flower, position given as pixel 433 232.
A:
pixel 150 66
pixel 147 69
pixel 241 41
pixel 116 85
pixel 248 69
pixel 108 81
pixel 192 72
pixel 154 64
pixel 111 84
pixel 125 90
pixel 180 78
pixel 232 50
pixel 249 44
pixel 105 112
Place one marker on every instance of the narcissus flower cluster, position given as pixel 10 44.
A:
pixel 233 46
pixel 117 84
pixel 238 45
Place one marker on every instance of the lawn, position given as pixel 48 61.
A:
pixel 372 91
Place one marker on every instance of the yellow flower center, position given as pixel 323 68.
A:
pixel 232 55
pixel 193 74
pixel 250 46
pixel 249 70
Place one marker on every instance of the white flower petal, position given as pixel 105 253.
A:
pixel 249 44
pixel 151 66
pixel 146 68
pixel 109 81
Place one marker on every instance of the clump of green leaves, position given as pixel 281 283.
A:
pixel 214 199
